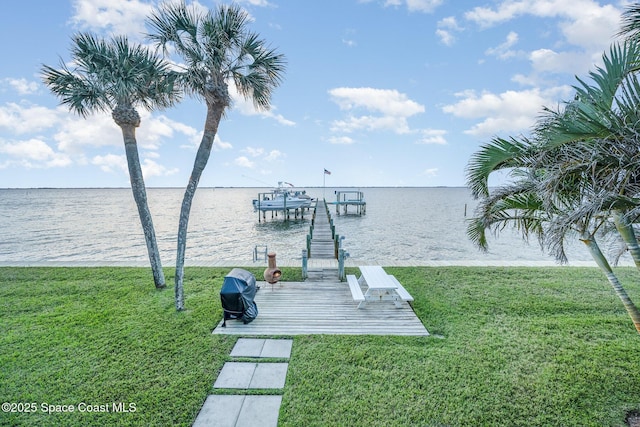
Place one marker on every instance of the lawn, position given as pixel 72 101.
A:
pixel 509 346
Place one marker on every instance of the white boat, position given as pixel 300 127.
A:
pixel 282 198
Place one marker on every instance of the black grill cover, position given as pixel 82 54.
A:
pixel 237 296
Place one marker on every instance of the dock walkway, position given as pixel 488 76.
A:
pixel 322 240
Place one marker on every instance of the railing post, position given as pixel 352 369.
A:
pixel 305 272
pixel 341 256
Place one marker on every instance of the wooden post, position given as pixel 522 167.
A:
pixel 305 272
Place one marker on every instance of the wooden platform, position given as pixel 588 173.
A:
pixel 302 308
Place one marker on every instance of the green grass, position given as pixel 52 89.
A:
pixel 509 346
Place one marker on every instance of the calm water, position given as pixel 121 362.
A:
pixel 401 224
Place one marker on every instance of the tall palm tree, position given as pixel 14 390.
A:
pixel 217 49
pixel 116 76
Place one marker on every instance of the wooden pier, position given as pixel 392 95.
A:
pixel 321 242
pixel 345 199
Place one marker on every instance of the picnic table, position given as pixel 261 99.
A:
pixel 380 286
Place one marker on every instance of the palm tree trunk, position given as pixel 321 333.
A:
pixel 202 157
pixel 628 235
pixel 602 262
pixel 140 196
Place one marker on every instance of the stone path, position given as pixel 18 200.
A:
pixel 238 410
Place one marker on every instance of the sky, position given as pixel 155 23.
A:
pixel 376 92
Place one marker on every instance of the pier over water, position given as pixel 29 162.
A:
pixel 323 244
pixel 321 240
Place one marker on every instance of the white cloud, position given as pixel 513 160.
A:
pixel 503 51
pixel 22 86
pixel 549 61
pixel 415 5
pixel 510 111
pixel 394 109
pixel 584 23
pixel 446 29
pixel 433 136
pixel 341 140
pixel 431 172
pixel 114 17
pixel 219 144
pixel 33 153
pixel 262 3
pixel 21 119
pixel 349 42
pixel 75 134
pixel 274 155
pixel 254 152
pixel 244 162
pixel 151 168
pixel 398 125
pixel 385 101
pixel 110 162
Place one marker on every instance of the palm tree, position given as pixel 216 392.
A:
pixel 577 174
pixel 529 205
pixel 217 49
pixel 117 77
pixel 598 133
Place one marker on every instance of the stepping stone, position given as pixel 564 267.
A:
pixel 239 411
pixel 235 375
pixel 252 347
pixel 252 375
pixel 277 348
pixel 247 347
pixel 269 375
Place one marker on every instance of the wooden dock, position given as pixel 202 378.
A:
pixel 322 244
pixel 301 308
pixel 350 198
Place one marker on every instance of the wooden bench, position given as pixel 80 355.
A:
pixel 354 287
pixel 401 291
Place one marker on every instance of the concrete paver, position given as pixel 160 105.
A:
pixel 269 375
pixel 248 347
pixel 235 375
pixel 247 375
pixel 239 411
pixel 277 348
pixel 255 347
pixel 219 411
pixel 260 411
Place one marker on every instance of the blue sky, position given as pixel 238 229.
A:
pixel 379 92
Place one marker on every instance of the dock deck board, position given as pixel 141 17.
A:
pixel 302 308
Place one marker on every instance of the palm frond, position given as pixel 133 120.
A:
pixel 113 72
pixel 516 206
pixel 630 22
pixel 498 154
pixel 216 48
